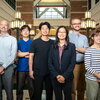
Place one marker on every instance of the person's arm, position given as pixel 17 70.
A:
pixel 12 52
pixel 31 57
pixel 88 62
pixel 22 54
pixel 88 66
pixel 97 75
pixel 86 45
pixel 81 50
pixel 69 71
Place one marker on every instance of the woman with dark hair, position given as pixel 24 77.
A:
pixel 92 65
pixel 61 64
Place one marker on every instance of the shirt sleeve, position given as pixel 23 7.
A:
pixel 86 44
pixel 33 47
pixel 13 52
pixel 88 61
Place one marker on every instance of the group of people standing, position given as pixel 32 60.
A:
pixel 54 65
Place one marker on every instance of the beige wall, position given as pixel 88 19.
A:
pixel 95 10
pixel 6 12
pixel 53 22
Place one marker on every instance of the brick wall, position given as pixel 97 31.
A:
pixel 26 8
pixel 78 8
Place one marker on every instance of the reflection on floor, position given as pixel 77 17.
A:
pixel 26 96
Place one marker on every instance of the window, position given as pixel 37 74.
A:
pixel 51 12
pixel 12 3
pixel 89 4
pixel 96 1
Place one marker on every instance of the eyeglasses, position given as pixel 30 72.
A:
pixel 76 24
pixel 44 28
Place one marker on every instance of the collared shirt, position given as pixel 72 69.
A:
pixel 61 48
pixel 80 41
pixel 8 50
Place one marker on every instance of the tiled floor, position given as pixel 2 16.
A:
pixel 26 96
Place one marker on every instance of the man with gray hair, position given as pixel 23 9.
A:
pixel 8 49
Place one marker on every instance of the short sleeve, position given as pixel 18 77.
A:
pixel 32 47
pixel 19 47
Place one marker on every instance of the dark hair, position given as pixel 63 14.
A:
pixel 57 39
pixel 93 33
pixel 24 27
pixel 44 23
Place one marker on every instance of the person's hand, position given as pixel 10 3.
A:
pixel 98 80
pixel 1 69
pixel 2 73
pixel 26 56
pixel 60 79
pixel 97 75
pixel 31 74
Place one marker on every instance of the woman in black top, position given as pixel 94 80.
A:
pixel 61 64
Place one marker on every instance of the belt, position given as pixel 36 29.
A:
pixel 80 62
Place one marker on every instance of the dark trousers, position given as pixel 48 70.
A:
pixel 62 87
pixel 39 87
pixel 7 81
pixel 0 89
pixel 21 78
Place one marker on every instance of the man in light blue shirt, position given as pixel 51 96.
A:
pixel 8 49
pixel 81 43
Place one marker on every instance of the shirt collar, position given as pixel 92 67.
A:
pixel 6 35
pixel 76 33
pixel 65 44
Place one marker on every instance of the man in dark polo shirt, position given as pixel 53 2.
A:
pixel 38 62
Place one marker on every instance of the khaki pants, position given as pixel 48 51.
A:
pixel 92 90
pixel 79 85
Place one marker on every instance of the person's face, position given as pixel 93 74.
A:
pixel 76 24
pixel 25 32
pixel 4 26
pixel 45 30
pixel 96 38
pixel 62 34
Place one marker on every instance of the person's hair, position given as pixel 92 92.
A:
pixel 44 23
pixel 57 39
pixel 74 19
pixel 24 27
pixel 93 33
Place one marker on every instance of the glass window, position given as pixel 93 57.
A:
pixel 52 12
pixel 89 4
pixel 12 3
pixel 96 1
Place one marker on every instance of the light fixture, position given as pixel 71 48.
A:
pixel 88 23
pixel 18 14
pixel 87 14
pixel 32 32
pixel 30 25
pixel 17 23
